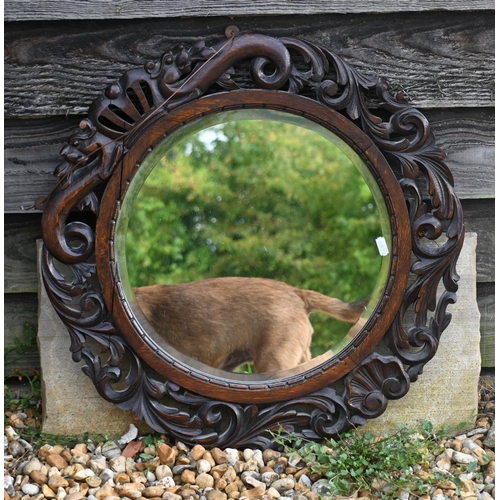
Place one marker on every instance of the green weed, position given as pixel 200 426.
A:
pixel 384 465
pixel 15 400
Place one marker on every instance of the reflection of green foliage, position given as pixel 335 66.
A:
pixel 270 200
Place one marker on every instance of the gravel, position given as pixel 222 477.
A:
pixel 136 468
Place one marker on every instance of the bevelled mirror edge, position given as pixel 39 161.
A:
pixel 157 155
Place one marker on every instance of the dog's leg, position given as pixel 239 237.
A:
pixel 286 346
pixel 306 355
pixel 283 360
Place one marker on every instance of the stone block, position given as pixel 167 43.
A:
pixel 446 392
pixel 71 404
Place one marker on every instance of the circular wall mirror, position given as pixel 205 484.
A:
pixel 246 173
pixel 303 375
pixel 254 193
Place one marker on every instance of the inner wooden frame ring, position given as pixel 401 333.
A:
pixel 182 369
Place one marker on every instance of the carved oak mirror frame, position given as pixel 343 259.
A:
pixel 147 105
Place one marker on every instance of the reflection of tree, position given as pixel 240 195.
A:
pixel 261 199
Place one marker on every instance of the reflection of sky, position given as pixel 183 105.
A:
pixel 208 137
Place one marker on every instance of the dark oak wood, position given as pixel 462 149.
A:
pixel 439 60
pixel 38 10
pixel 57 64
pixel 304 382
pixel 132 117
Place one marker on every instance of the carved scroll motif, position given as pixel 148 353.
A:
pixel 116 120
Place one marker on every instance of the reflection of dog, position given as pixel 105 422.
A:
pixel 224 322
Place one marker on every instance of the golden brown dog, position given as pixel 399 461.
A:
pixel 224 322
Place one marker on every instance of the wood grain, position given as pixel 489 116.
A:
pixel 20 270
pixel 21 232
pixel 25 10
pixel 20 309
pixel 54 70
pixel 32 153
pixel 467 136
pixel 479 217
pixel 439 60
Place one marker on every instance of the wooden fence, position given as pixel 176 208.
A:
pixel 59 55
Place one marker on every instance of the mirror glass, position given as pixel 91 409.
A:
pixel 255 193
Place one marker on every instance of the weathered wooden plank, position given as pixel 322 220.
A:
pixel 20 235
pixel 21 231
pixel 23 365
pixel 468 138
pixel 21 308
pixel 18 310
pixel 439 60
pixel 32 152
pixel 479 217
pixel 486 302
pixel 45 10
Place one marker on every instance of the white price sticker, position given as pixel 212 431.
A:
pixel 382 246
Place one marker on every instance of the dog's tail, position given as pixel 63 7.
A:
pixel 345 311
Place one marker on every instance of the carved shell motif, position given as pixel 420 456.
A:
pixel 373 383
